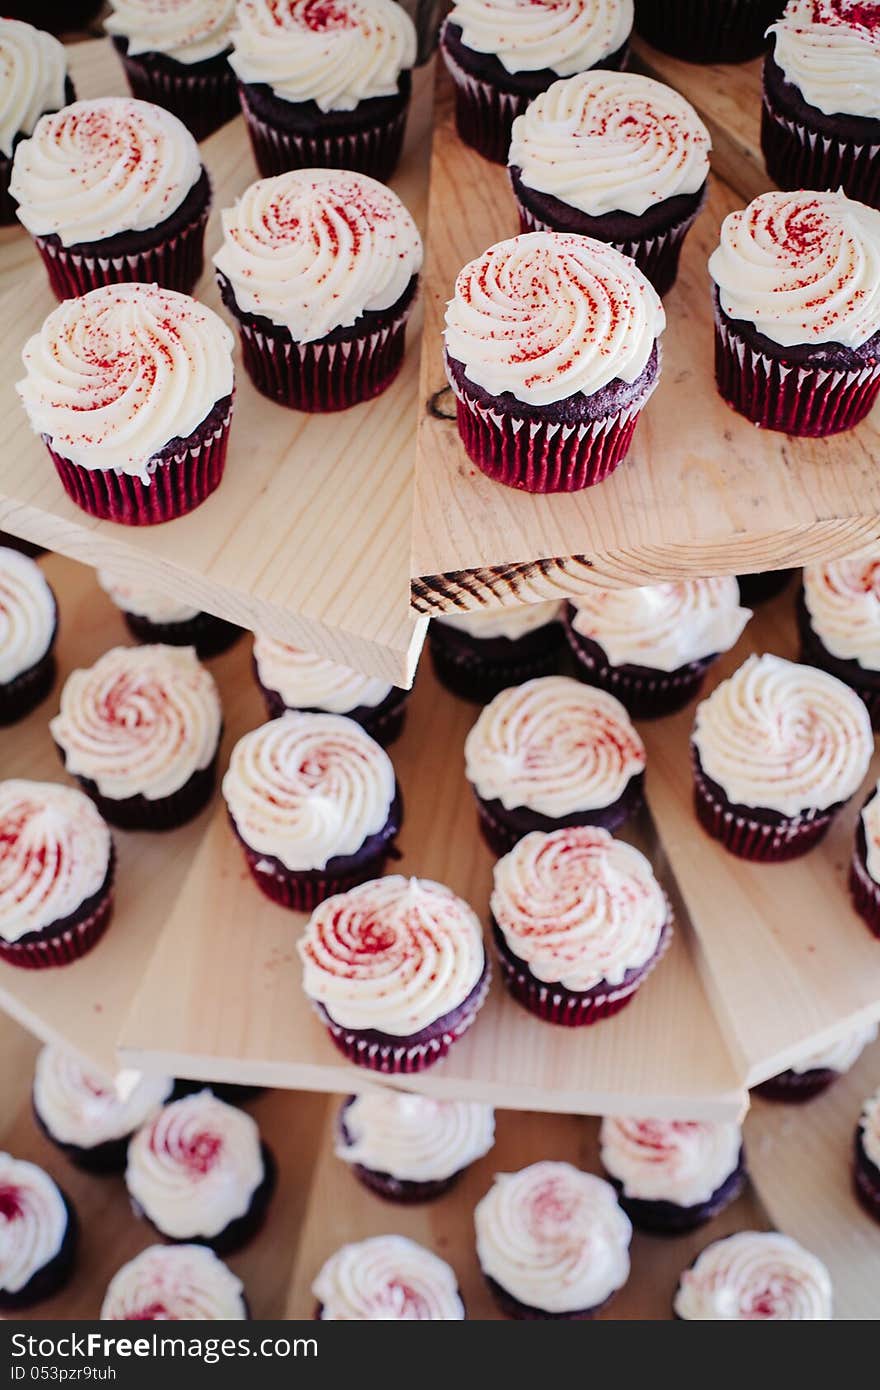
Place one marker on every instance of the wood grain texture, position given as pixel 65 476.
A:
pixel 702 491
pixel 308 535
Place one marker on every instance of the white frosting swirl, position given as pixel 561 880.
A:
pixel 528 35
pixel 54 855
pixel 141 721
pixel 548 315
pixel 871 825
pixel 413 1138
pixel 555 746
pixel 186 30
pixel 174 1283
pixel 96 168
pixel 387 1279
pixel 869 1126
pixel 33 1222
pixel 611 142
pixel 784 737
pixel 145 602
pixel 830 51
pixel 553 1237
pixel 333 52
pixel 28 614
pixel 81 1106
pixel 839 1056
pixel 843 601
pixel 802 267
pixel 116 375
pixel 195 1166
pixel 394 954
pixel 511 623
pixel 755 1276
pixel 662 626
pixel 307 681
pixel 578 907
pixel 33 73
pixel 680 1161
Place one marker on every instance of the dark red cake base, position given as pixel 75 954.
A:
pixel 755 833
pixel 209 635
pixel 813 652
pixel 203 95
pixel 522 1312
pixel 8 205
pixel 643 691
pixel 243 1229
pixel 49 1280
pixel 383 722
pixel 865 893
pixel 761 587
pixel 866 1179
pixel 26 691
pixel 479 668
pixel 502 829
pixel 401 1190
pixel 793 1087
pixel 668 1218
pixel 723 31
pixel 69 938
pixel 162 813
pixel 100 1160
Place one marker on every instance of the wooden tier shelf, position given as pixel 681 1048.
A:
pixel 308 535
pixel 702 491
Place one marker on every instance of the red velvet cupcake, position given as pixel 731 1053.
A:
pixel 797 312
pixel 672 1176
pixel 175 1283
pixel 818 1070
pixel 293 679
pixel 90 1117
pixel 28 628
pixel 762 586
pixel 552 351
pixel 396 970
pixel 839 622
pixel 707 31
pixel 477 655
pixel 867 1159
pixel 153 616
pixel 408 1148
pixel 386 1279
pixel 864 872
pixel 34 82
pixel 754 1276
pixel 38 1234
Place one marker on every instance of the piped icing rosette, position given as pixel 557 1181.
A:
pixel 314 249
pixel 611 142
pixel 189 31
pixel 869 1129
pixel 307 681
pixel 870 819
pixel 96 168
pixel 803 268
pixel 511 623
pixel 195 1167
pixel 783 737
pixel 33 74
pixel 307 788
pixel 140 722
pixel 28 614
pixel 554 746
pixel 393 955
pixel 565 36
pixel 81 1106
pixel 838 1056
pixel 336 53
pixel 55 854
pixel 755 1276
pixel 842 598
pixel 113 377
pixel 579 907
pixel 680 1161
pixel 414 1138
pixel 387 1279
pixel 174 1283
pixel 33 1222
pixel 144 601
pixel 830 51
pixel 553 1237
pixel 662 626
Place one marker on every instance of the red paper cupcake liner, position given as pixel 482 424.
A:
pixel 644 696
pixel 175 263
pixel 203 101
pixel 64 948
pixel 808 401
pixel 302 892
pixel 484 114
pixel 374 150
pixel 21 695
pixel 797 157
pixel 865 894
pixel 750 839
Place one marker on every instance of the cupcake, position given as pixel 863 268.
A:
pixel 34 81
pixel 777 749
pixel 293 679
pixel 387 1279
pixel 408 1148
pixel 477 655
pixel 38 1234
pixel 88 1115
pixel 56 874
pixel 867 1160
pixel 152 616
pixel 396 971
pixel 10 542
pixel 820 117
pixel 615 156
pixel 28 627
pixel 672 1176
pixel 315 804
pixel 140 732
pixel 199 1173
pixel 762 586
pixel 839 622
pixel 551 754
pixel 579 922
pixel 864 872
pixel 57 16
pixel 113 190
pixel 552 352
pixel 652 646
pixel 324 85
pixel 797 312
pixel 320 267
pixel 552 1242
pixel 754 1276
pixel 818 1069
pixel 131 390
pixel 502 53
pixel 707 31
pixel 175 1283
pixel 175 53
